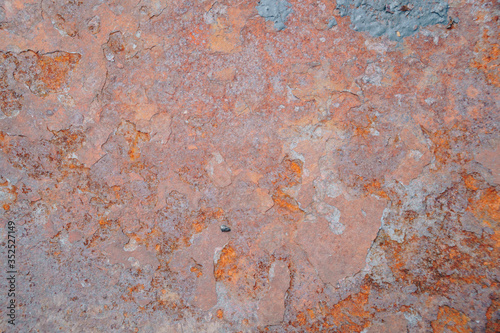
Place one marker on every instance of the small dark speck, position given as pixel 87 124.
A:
pixel 225 228
pixel 405 8
pixel 452 22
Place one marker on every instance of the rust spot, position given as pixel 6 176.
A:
pixel 376 188
pixel 287 174
pixel 133 138
pixel 103 221
pixel 67 141
pixel 226 265
pixel 10 102
pixel 364 129
pixel 434 257
pixel 350 314
pixel 311 313
pixel 488 58
pixel 136 288
pixel 470 182
pixel 197 270
pixel 450 320
pixel 488 207
pixel 441 146
pixel 283 200
pixel 10 193
pixel 301 318
pixel 115 42
pixel 45 73
pixel 296 168
pixel 201 219
pixel 442 142
pixel 240 271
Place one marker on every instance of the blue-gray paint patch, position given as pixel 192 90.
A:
pixel 396 19
pixel 332 23
pixel 276 11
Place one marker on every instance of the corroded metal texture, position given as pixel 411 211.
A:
pixel 236 166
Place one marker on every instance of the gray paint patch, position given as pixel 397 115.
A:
pixel 276 11
pixel 334 221
pixel 396 19
pixel 332 23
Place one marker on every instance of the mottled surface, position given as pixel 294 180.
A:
pixel 359 176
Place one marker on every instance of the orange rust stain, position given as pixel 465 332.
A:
pixel 196 269
pixel 350 314
pixel 6 206
pixel 487 209
pixel 488 59
pixel 48 72
pixel 470 182
pixel 133 138
pixel 488 206
pixel 67 140
pixel 10 101
pixel 442 141
pixel 55 70
pixel 376 188
pixel 301 318
pixel 496 238
pixel 441 146
pixel 199 220
pixel 241 272
pixel 283 200
pixel 103 221
pixel 296 168
pixel 311 313
pixel 226 265
pixel 218 213
pixel 450 320
pixel 10 189
pixel 116 189
pixel 196 35
pixel 198 227
pixel 149 240
pixel 134 152
pixel 288 173
pixel 4 141
pixel 443 257
pixel 220 314
pixel 364 130
pixel 135 288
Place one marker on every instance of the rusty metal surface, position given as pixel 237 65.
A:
pixel 193 166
